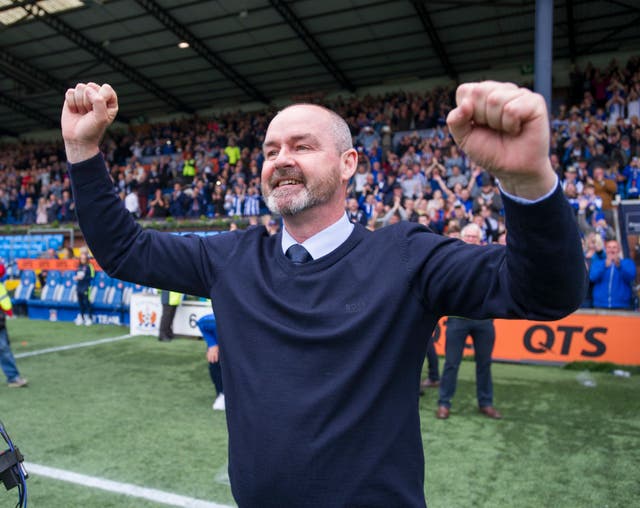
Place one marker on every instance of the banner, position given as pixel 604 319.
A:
pixel 145 312
pixel 52 264
pixel 582 336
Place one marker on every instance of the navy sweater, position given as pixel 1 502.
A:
pixel 322 360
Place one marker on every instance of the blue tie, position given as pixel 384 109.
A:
pixel 298 254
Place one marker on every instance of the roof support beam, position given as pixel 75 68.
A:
pixel 32 75
pixel 571 32
pixel 184 34
pixel 320 53
pixel 438 47
pixel 616 31
pixel 34 114
pixel 101 54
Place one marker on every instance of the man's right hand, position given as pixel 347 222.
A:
pixel 87 111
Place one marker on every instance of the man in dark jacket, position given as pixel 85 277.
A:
pixel 322 368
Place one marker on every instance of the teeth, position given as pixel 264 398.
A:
pixel 287 182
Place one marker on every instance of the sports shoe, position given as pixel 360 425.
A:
pixel 218 405
pixel 88 321
pixel 78 321
pixel 20 382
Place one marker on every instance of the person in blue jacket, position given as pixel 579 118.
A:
pixel 207 326
pixel 613 279
pixel 323 326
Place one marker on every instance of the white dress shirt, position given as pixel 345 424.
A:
pixel 325 241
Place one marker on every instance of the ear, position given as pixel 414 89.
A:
pixel 349 163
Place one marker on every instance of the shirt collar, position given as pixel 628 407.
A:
pixel 323 242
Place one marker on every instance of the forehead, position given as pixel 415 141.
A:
pixel 299 120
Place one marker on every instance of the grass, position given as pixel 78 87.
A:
pixel 139 411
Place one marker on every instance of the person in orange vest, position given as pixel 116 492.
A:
pixel 7 361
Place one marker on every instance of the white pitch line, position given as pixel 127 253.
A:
pixel 128 489
pixel 74 346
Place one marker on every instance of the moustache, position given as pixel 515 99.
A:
pixel 286 174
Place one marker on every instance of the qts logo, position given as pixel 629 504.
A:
pixel 564 340
pixel 147 318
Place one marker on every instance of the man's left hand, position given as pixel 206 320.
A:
pixel 505 129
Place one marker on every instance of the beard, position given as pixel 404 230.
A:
pixel 286 202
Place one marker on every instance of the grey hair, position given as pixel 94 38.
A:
pixel 471 227
pixel 339 128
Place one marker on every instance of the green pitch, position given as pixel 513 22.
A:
pixel 138 411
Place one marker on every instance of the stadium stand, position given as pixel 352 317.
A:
pixel 404 148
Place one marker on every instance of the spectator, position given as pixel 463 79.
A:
pixel 593 249
pixel 605 189
pixel 158 206
pixel 368 137
pixel 355 214
pixel 232 152
pixel 482 333
pixel 196 204
pixel 456 178
pixel 613 279
pixel 67 210
pixel 632 177
pixel 52 208
pixel 7 360
pixel 83 277
pixel 29 212
pixel 178 202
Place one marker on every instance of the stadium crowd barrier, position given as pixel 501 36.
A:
pixel 58 300
pixel 28 246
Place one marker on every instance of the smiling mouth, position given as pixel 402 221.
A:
pixel 282 183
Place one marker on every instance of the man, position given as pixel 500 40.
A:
pixel 83 277
pixel 483 334
pixel 613 279
pixel 322 369
pixel 605 189
pixel 7 360
pixel 170 301
pixel 354 213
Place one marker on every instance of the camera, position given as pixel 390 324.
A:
pixel 12 471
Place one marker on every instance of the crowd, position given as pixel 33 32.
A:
pixel 409 168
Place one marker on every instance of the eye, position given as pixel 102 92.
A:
pixel 302 148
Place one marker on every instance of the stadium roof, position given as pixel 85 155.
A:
pixel 255 50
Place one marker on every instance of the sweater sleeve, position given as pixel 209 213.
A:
pixel 539 275
pixel 126 251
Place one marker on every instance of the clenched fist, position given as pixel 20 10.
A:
pixel 88 110
pixel 505 129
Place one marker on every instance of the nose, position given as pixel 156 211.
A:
pixel 283 159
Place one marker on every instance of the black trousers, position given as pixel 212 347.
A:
pixel 216 376
pixel 85 305
pixel 166 322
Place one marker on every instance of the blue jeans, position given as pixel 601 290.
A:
pixel 483 334
pixel 7 361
